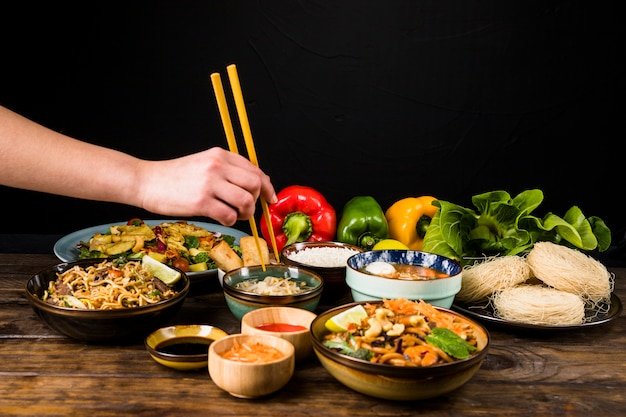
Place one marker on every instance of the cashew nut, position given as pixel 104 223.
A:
pixel 381 316
pixel 374 330
pixel 396 330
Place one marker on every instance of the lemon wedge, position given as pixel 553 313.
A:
pixel 202 266
pixel 340 322
pixel 389 244
pixel 163 272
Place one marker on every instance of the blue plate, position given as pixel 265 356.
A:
pixel 66 248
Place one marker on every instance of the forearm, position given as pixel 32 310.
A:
pixel 39 159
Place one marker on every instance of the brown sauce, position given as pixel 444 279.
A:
pixel 184 346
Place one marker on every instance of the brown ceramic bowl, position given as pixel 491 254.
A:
pixel 397 382
pixel 292 324
pixel 251 379
pixel 101 326
pixel 328 259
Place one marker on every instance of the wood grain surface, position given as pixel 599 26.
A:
pixel 42 373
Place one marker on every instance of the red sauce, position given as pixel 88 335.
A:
pixel 281 327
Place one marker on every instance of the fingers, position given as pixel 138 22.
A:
pixel 214 183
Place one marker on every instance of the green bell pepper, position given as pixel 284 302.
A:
pixel 362 223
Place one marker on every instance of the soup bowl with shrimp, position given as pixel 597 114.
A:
pixel 394 273
pixel 399 349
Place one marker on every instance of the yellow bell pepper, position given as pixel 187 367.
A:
pixel 409 218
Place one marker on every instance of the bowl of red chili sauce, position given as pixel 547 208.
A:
pixel 290 323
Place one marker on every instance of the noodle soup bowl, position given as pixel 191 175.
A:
pixel 328 259
pixel 366 286
pixel 396 382
pixel 266 364
pixel 121 325
pixel 245 289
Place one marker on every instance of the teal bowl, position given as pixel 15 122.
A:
pixel 241 301
pixel 439 292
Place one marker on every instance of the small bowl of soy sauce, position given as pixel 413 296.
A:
pixel 183 347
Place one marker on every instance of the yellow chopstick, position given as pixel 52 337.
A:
pixel 247 135
pixel 232 145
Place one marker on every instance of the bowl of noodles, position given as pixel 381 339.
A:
pixel 253 287
pixel 104 301
pixel 399 349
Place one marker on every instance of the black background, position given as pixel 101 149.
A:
pixel 389 99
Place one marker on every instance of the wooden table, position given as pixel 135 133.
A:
pixel 579 373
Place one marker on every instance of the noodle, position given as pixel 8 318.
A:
pixel 105 286
pixel 481 280
pixel 540 305
pixel 571 270
pixel 385 333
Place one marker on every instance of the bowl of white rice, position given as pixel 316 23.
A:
pixel 328 259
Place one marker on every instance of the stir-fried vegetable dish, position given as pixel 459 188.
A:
pixel 180 244
pixel 401 332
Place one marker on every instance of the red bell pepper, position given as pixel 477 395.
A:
pixel 301 214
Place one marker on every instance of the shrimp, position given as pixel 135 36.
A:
pixel 423 355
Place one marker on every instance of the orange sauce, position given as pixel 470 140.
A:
pixel 280 327
pixel 252 353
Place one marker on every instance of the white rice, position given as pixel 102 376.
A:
pixel 326 257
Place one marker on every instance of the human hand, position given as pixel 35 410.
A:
pixel 215 183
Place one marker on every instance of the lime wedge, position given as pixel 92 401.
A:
pixel 340 322
pixel 163 272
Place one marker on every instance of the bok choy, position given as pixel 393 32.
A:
pixel 501 225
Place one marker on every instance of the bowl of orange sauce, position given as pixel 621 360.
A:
pixel 251 365
pixel 290 323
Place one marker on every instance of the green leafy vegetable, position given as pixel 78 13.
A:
pixel 191 242
pixel 451 343
pixel 349 348
pixel 502 225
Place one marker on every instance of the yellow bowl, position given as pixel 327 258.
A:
pixel 183 347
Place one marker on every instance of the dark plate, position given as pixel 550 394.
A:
pixel 485 313
pixel 65 248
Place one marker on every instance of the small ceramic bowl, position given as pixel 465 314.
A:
pixel 245 379
pixel 328 259
pixel 290 323
pixel 183 347
pixel 122 325
pixel 395 382
pixel 241 301
pixel 439 292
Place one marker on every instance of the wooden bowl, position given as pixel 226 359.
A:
pixel 290 323
pixel 251 379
